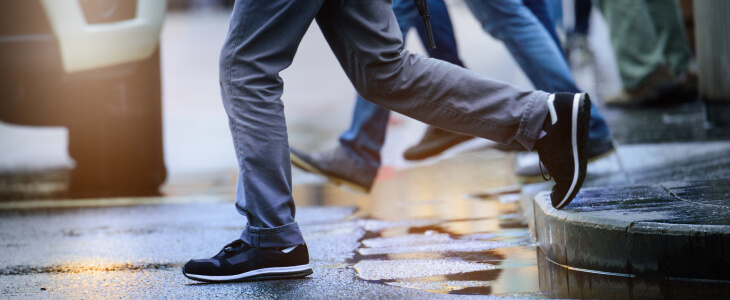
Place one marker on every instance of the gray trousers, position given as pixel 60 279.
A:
pixel 363 34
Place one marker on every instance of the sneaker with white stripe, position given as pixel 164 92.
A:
pixel 563 149
pixel 240 262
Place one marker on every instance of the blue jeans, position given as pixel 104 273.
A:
pixel 543 13
pixel 532 42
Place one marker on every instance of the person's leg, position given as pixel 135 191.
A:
pixel 261 42
pixel 537 54
pixel 634 40
pixel 671 37
pixel 366 135
pixel 262 39
pixel 435 140
pixel 556 10
pixel 356 162
pixel 363 36
pixel 361 143
pixel 541 11
pixel 582 16
pixel 578 50
pixel 443 32
pixel 429 90
pixel 527 40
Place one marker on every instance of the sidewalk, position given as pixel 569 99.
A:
pixel 654 218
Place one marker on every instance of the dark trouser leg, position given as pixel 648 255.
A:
pixel 671 36
pixel 262 40
pixel 365 38
pixel 634 40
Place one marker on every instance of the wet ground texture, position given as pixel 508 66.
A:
pixel 442 229
pixel 418 235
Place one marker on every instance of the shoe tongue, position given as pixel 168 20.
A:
pixel 231 247
pixel 234 244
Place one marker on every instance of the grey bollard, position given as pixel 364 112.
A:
pixel 712 33
pixel 712 29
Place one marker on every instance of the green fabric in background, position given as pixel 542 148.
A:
pixel 646 35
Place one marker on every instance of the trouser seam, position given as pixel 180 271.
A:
pixel 240 27
pixel 229 80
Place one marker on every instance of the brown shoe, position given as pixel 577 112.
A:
pixel 658 84
pixel 689 84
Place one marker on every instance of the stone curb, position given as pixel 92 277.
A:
pixel 647 230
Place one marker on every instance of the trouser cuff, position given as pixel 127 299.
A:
pixel 533 120
pixel 278 237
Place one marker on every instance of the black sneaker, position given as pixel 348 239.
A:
pixel 239 262
pixel 434 142
pixel 337 166
pixel 528 169
pixel 563 150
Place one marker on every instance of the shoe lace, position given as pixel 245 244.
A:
pixel 542 167
pixel 234 246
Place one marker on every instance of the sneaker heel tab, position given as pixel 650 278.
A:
pixel 551 109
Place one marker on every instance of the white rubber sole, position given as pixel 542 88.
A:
pixel 276 272
pixel 576 174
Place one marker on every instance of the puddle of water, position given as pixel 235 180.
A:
pixel 450 246
pixel 440 286
pixel 382 270
pixel 426 231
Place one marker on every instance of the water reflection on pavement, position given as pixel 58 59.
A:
pixel 425 231
pixel 432 228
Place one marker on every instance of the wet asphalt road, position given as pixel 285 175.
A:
pixel 137 252
pixel 415 240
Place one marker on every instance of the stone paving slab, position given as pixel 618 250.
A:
pixel 678 190
pixel 672 230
